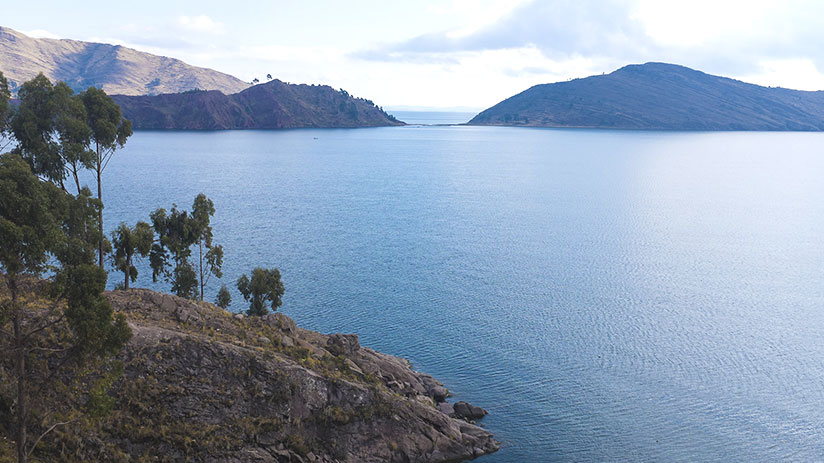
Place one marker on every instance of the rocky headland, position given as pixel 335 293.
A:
pixel 201 384
pixel 271 105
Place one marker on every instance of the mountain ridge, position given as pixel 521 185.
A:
pixel 659 96
pixel 271 105
pixel 114 68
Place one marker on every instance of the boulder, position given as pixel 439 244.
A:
pixel 467 411
pixel 439 393
pixel 446 408
pixel 286 324
pixel 343 344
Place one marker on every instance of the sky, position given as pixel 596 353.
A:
pixel 451 54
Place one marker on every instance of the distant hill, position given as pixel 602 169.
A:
pixel 115 69
pixel 271 105
pixel 659 96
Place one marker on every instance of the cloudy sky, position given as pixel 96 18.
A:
pixel 452 53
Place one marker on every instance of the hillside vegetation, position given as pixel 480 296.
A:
pixel 659 96
pixel 197 383
pixel 272 105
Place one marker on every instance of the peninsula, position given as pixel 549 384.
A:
pixel 659 96
pixel 199 383
pixel 270 105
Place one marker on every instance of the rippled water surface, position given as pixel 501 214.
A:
pixel 630 296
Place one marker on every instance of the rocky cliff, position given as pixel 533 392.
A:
pixel 201 384
pixel 272 105
pixel 114 68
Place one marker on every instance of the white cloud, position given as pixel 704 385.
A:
pixel 800 74
pixel 201 23
pixel 41 34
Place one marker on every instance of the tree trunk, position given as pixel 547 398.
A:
pixel 100 197
pixel 128 271
pixel 20 371
pixel 76 179
pixel 200 245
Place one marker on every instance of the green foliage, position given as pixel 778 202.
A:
pixel 5 110
pixel 129 243
pixel 177 231
pixel 91 319
pixel 184 280
pixel 40 224
pixel 212 262
pixel 34 129
pixel 224 298
pixel 100 402
pixel 81 229
pixel 264 286
pixel 109 130
pixel 51 130
pixel 29 225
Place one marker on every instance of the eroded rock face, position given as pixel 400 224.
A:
pixel 202 384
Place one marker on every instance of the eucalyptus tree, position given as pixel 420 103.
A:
pixel 175 235
pixel 210 263
pixel 224 297
pixel 5 112
pixel 44 228
pixel 33 126
pixel 127 244
pixel 51 130
pixel 177 231
pixel 109 131
pixel 264 287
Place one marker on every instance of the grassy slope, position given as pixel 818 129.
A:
pixel 659 96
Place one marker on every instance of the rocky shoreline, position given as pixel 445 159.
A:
pixel 201 384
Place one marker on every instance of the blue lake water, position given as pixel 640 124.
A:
pixel 629 296
pixel 433 117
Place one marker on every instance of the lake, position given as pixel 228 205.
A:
pixel 630 296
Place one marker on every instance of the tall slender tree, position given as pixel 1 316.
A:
pixel 177 231
pixel 5 113
pixel 211 262
pixel 41 225
pixel 128 243
pixel 109 131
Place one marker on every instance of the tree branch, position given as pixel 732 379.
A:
pixel 46 326
pixel 63 423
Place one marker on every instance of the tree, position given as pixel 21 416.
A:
pixel 202 210
pixel 73 133
pixel 177 231
pixel 40 226
pixel 175 235
pixel 5 112
pixel 255 81
pixel 127 244
pixel 264 286
pixel 51 130
pixel 33 126
pixel 184 280
pixel 224 298
pixel 109 131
